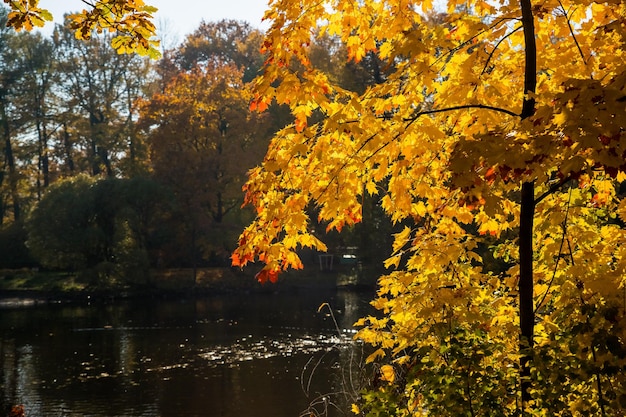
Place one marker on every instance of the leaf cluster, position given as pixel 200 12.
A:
pixel 130 20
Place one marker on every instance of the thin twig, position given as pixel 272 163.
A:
pixel 558 257
pixel 571 31
pixel 495 48
pixel 554 188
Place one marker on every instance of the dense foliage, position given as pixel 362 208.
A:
pixel 71 108
pixel 90 137
pixel 493 136
pixel 106 229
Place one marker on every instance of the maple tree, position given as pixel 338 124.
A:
pixel 130 20
pixel 497 130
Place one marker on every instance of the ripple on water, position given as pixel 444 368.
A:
pixel 248 349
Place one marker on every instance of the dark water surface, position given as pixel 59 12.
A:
pixel 248 355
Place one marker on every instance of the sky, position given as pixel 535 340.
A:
pixel 179 17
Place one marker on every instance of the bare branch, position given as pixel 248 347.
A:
pixel 461 107
pixel 495 48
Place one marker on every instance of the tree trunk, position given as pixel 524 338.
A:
pixel 43 162
pixel 67 147
pixel 10 161
pixel 526 282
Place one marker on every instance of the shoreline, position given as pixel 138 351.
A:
pixel 41 288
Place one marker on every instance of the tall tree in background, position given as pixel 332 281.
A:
pixel 501 127
pixel 227 42
pixel 101 86
pixel 203 139
pixel 10 76
pixel 35 99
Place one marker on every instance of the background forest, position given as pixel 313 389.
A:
pixel 113 164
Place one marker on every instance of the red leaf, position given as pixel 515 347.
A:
pixel 266 275
pixel 236 260
pixel 17 411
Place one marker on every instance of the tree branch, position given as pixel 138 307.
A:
pixel 554 188
pixel 495 48
pixel 461 107
pixel 571 31
pixel 558 258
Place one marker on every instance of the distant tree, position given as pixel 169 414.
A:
pixel 12 121
pixel 36 102
pixel 61 229
pixel 13 250
pixel 99 90
pixel 203 139
pixel 103 227
pixel 227 42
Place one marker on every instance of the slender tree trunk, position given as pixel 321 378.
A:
pixel 67 146
pixel 132 151
pixel 527 313
pixel 194 262
pixel 43 164
pixel 98 153
pixel 103 154
pixel 2 202
pixel 93 150
pixel 526 282
pixel 8 151
pixel 10 162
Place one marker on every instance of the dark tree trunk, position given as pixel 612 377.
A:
pixel 10 161
pixel 67 147
pixel 527 313
pixel 43 162
pixel 526 281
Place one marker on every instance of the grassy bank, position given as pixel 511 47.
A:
pixel 18 282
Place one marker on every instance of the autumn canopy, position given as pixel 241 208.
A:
pixel 494 138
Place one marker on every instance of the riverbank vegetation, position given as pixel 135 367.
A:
pixel 62 285
pixel 118 167
pixel 483 144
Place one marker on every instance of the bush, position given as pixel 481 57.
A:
pixel 13 251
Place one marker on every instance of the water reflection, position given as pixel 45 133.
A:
pixel 249 355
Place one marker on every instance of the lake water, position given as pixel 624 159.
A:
pixel 245 355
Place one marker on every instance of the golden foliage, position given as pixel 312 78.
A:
pixel 131 20
pixel 441 141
